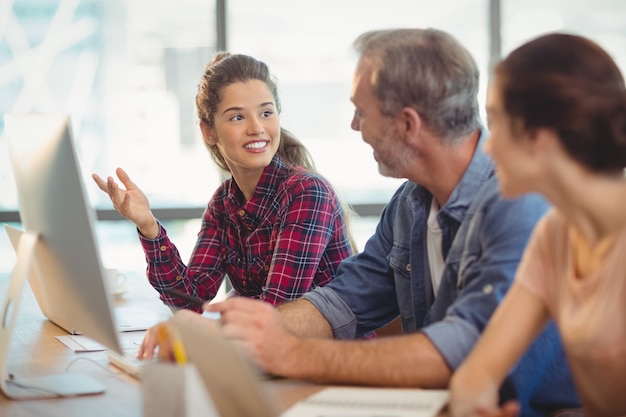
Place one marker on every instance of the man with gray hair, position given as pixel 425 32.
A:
pixel 444 252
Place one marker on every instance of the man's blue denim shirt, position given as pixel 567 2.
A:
pixel 483 238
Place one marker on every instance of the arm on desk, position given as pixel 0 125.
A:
pixel 409 360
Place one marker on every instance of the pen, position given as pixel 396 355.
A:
pixel 195 301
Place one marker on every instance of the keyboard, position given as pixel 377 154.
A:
pixel 128 361
pixel 131 341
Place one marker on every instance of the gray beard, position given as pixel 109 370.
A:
pixel 395 160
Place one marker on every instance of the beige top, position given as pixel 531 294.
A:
pixel 590 310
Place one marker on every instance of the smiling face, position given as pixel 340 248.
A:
pixel 377 130
pixel 246 128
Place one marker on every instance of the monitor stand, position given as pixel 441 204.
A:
pixel 39 387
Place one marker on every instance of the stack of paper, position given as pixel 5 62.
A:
pixel 366 402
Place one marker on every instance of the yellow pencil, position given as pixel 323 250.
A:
pixel 167 338
pixel 179 351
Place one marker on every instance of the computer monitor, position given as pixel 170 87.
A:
pixel 60 240
pixel 52 303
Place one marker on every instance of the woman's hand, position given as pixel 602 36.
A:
pixel 150 343
pixel 508 409
pixel 474 394
pixel 131 202
pixel 164 336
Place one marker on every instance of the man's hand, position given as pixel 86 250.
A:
pixel 257 327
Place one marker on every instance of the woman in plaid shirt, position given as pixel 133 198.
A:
pixel 276 228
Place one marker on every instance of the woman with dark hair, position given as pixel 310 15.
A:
pixel 276 228
pixel 557 115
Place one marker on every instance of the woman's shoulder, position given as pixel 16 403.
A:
pixel 551 233
pixel 220 195
pixel 309 188
pixel 223 189
pixel 301 177
pixel 552 222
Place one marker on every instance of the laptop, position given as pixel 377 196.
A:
pixel 126 318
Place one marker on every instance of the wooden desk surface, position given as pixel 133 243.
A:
pixel 36 351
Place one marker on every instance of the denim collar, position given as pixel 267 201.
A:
pixel 479 170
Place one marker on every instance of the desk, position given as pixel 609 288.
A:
pixel 36 351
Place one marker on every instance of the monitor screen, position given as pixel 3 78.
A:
pixel 53 204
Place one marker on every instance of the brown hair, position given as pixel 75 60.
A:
pixel 569 84
pixel 226 69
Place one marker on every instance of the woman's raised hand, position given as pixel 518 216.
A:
pixel 130 202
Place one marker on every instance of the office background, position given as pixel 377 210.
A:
pixel 127 70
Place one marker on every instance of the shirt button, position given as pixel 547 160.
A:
pixel 179 277
pixel 242 213
pixel 408 267
pixel 163 248
pixel 266 268
pixel 244 283
pixel 488 289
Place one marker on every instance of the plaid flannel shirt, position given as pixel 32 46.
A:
pixel 288 238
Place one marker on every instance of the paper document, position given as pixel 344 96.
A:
pixel 80 343
pixel 366 402
pixel 130 341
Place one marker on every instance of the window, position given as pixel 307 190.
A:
pixel 126 73
pixel 308 46
pixel 602 21
pixel 127 70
